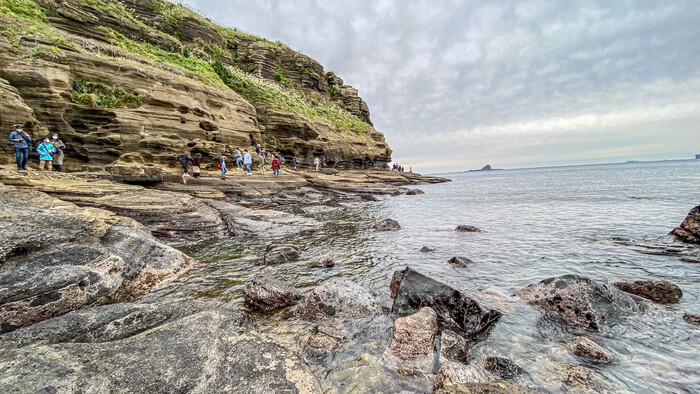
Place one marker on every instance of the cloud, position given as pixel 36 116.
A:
pixel 455 83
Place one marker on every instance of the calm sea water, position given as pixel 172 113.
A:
pixel 607 222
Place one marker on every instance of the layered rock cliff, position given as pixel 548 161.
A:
pixel 140 81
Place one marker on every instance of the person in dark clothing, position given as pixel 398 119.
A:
pixel 294 163
pixel 185 160
pixel 21 141
pixel 196 162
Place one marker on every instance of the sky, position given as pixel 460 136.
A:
pixel 455 85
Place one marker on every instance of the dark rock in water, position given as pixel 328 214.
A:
pixel 689 230
pixel 460 261
pixel 503 368
pixel 412 344
pixel 150 349
pixel 387 225
pixel 584 347
pixel 412 290
pixel 662 292
pixel 467 229
pixel 280 254
pixel 485 388
pixel 580 302
pixel 692 319
pixel 370 197
pixel 266 293
pixel 338 299
pixel 426 249
pixel 328 263
pixel 414 192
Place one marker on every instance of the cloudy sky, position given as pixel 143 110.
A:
pixel 457 84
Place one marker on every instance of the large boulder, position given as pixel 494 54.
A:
pixel 580 302
pixel 57 257
pixel 387 225
pixel 266 293
pixel 280 254
pixel 456 311
pixel 338 299
pixel 662 291
pixel 413 341
pixel 689 230
pixel 145 348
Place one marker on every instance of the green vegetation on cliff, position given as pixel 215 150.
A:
pixel 98 94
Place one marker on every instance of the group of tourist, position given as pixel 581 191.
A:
pixel 244 162
pixel 399 168
pixel 50 150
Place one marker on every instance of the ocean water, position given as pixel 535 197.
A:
pixel 606 222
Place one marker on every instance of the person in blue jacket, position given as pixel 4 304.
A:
pixel 21 141
pixel 45 151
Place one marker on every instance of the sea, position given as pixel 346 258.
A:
pixel 608 222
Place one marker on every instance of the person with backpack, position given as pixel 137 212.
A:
pixel 222 165
pixel 275 166
pixel 45 151
pixel 247 161
pixel 58 147
pixel 196 165
pixel 21 141
pixel 184 160
pixel 239 159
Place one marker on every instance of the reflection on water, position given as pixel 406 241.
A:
pixel 606 222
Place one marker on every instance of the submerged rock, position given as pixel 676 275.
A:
pixel 689 230
pixel 662 292
pixel 485 388
pixel 692 319
pixel 387 225
pixel 412 290
pixel 280 254
pixel 266 293
pixel 412 344
pixel 338 299
pixel 464 228
pixel 580 302
pixel 426 249
pixel 584 378
pixel 414 192
pixel 326 339
pixel 460 261
pixel 480 375
pixel 584 347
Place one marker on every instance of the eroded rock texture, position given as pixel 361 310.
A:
pixel 267 293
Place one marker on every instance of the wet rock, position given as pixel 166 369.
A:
pixel 455 373
pixel 387 225
pixel 280 254
pixel 452 347
pixel 689 230
pixel 460 261
pixel 482 372
pixel 145 348
pixel 338 299
pixel 426 249
pixel 456 311
pixel 370 197
pixel 414 192
pixel 266 293
pixel 412 344
pixel 580 302
pixel 485 388
pixel 56 257
pixel 584 378
pixel 467 229
pixel 584 347
pixel 692 319
pixel 503 368
pixel 662 292
pixel 326 339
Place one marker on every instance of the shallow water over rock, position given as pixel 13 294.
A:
pixel 607 222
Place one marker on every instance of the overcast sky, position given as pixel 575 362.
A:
pixel 455 85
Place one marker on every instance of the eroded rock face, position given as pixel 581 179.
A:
pixel 689 230
pixel 387 225
pixel 662 291
pixel 413 341
pixel 580 302
pixel 280 254
pixel 456 311
pixel 586 348
pixel 338 299
pixel 57 257
pixel 266 293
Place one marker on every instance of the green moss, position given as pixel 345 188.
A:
pixel 333 92
pixel 102 95
pixel 25 9
pixel 280 77
pixel 46 49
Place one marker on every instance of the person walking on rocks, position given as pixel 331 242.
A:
pixel 45 151
pixel 239 159
pixel 294 163
pixel 247 161
pixel 21 141
pixel 261 159
pixel 58 147
pixel 184 160
pixel 222 165
pixel 317 163
pixel 275 166
pixel 196 165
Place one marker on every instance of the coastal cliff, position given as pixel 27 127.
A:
pixel 140 81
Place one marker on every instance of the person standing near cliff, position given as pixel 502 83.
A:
pixel 317 162
pixel 275 166
pixel 21 141
pixel 58 147
pixel 294 163
pixel 261 161
pixel 184 160
pixel 239 159
pixel 196 165
pixel 222 165
pixel 45 151
pixel 247 161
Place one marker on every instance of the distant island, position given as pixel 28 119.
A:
pixel 487 168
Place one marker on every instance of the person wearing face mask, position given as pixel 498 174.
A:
pixel 58 147
pixel 21 141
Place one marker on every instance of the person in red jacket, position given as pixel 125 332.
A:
pixel 275 166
